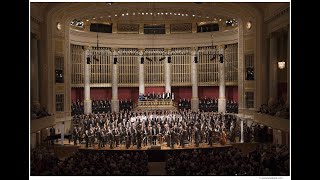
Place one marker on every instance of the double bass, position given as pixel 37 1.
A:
pixel 223 138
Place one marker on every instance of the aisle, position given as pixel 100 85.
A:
pixel 157 168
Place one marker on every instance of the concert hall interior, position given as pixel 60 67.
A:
pixel 160 88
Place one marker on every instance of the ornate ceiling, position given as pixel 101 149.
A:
pixel 154 12
pixel 146 11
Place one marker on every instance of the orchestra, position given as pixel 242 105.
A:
pixel 156 127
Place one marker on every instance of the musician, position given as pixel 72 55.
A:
pixel 190 132
pixel 139 139
pixel 86 138
pixel 103 137
pixel 210 134
pixel 91 136
pixel 99 138
pixel 182 136
pixel 75 135
pixel 80 133
pixel 52 133
pixel 167 135
pixel 159 133
pixel 173 136
pixel 111 138
pixel 154 135
pixel 121 133
pixel 116 136
pixel 128 139
pixel 197 136
pixel 144 135
pixel 133 135
pixel 150 134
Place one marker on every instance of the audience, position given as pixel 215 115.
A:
pixel 42 161
pixel 91 163
pixel 39 113
pixel 279 109
pixel 266 160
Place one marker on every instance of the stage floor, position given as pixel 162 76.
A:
pixel 154 154
pixel 148 147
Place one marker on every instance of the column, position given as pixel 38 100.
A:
pixel 114 99
pixel 87 101
pixel 241 69
pixel 194 80
pixel 34 72
pixel 288 67
pixel 241 131
pixel 141 72
pixel 273 80
pixel 222 83
pixel 167 74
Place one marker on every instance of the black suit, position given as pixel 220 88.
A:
pixel 52 133
pixel 154 137
pixel 86 138
pixel 75 136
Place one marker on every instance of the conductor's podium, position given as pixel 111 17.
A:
pixel 156 104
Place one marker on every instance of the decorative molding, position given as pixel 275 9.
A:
pixel 60 89
pixel 285 11
pixel 36 20
pixel 249 85
pixel 157 41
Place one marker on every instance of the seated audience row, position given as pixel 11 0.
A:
pixel 279 109
pixel 39 113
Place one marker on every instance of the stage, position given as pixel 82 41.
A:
pixel 155 153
